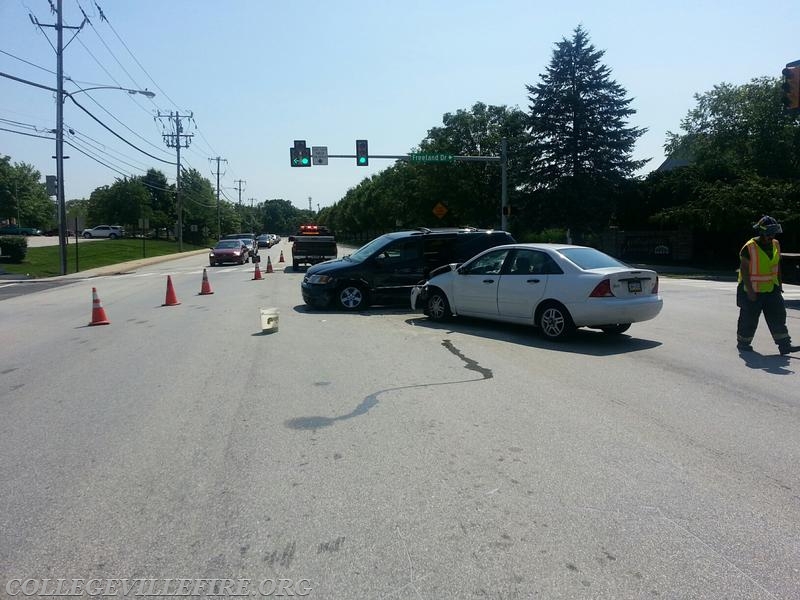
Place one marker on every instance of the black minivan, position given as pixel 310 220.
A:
pixel 385 269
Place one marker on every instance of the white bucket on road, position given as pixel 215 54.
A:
pixel 269 320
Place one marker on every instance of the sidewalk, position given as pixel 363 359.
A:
pixel 117 269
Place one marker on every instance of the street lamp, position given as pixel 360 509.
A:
pixel 59 131
pixel 60 200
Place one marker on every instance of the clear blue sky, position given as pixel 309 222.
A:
pixel 258 74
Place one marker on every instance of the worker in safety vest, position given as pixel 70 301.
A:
pixel 760 288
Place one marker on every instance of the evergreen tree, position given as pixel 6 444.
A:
pixel 581 144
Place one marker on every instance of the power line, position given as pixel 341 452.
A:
pixel 79 105
pixel 104 18
pixel 101 147
pixel 27 62
pixel 26 133
pixel 110 114
pixel 97 160
pixel 111 76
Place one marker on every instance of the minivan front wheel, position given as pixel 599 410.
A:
pixel 351 297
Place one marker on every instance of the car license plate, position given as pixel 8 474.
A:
pixel 635 287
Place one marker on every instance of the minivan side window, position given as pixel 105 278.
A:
pixel 401 251
pixel 437 251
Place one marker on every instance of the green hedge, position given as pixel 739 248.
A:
pixel 13 248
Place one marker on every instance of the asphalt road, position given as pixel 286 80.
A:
pixel 378 455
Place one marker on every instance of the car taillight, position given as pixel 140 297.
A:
pixel 655 287
pixel 602 290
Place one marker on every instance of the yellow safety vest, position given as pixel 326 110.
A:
pixel 763 269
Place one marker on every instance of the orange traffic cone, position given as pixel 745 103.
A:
pixel 269 266
pixel 98 312
pixel 205 288
pixel 280 260
pixel 171 299
pixel 257 273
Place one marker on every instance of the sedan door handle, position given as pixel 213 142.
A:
pixel 533 281
pixel 488 281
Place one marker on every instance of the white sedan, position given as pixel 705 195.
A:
pixel 556 287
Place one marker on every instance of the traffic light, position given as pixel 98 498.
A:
pixel 362 153
pixel 791 88
pixel 299 154
pixel 51 184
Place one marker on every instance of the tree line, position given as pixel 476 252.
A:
pixel 735 157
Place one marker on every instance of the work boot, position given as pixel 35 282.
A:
pixel 744 347
pixel 788 349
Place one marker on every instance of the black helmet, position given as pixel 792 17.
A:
pixel 767 226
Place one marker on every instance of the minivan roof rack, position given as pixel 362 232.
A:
pixel 423 229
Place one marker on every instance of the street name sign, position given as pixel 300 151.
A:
pixel 431 158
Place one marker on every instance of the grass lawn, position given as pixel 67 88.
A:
pixel 45 261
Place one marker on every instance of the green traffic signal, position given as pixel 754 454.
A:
pixel 300 154
pixel 362 153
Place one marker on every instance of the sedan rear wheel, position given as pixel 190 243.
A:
pixel 438 306
pixel 555 322
pixel 615 329
pixel 351 297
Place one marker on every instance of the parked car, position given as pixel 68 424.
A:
pixel 556 287
pixel 252 246
pixel 52 232
pixel 16 230
pixel 104 231
pixel 228 251
pixel 385 269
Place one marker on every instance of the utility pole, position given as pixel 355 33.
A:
pixel 173 140
pixel 240 182
pixel 62 209
pixel 219 221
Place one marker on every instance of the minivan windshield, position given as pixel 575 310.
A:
pixel 369 249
